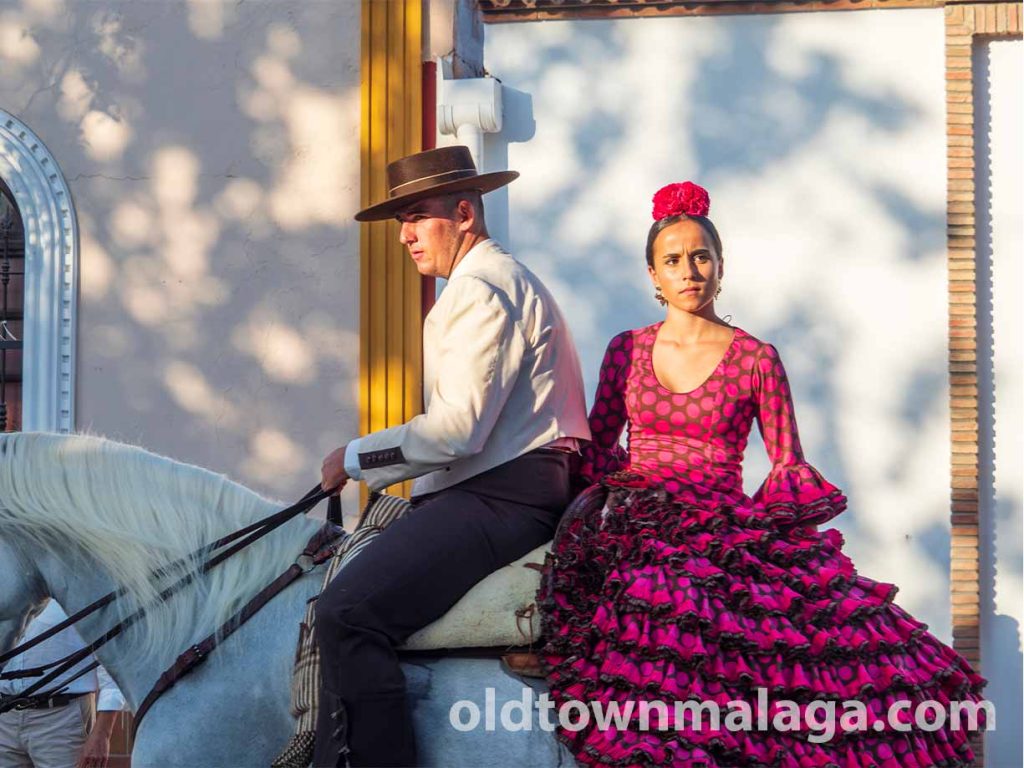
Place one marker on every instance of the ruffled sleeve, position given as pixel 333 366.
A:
pixel 799 495
pixel 603 455
pixel 794 493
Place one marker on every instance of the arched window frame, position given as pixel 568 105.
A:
pixel 51 277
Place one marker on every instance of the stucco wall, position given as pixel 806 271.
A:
pixel 1000 123
pixel 821 138
pixel 212 150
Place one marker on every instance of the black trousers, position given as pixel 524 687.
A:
pixel 410 575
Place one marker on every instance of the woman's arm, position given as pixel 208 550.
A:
pixel 775 413
pixel 608 414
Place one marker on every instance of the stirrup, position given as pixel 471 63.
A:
pixel 523 664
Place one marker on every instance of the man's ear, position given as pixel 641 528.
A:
pixel 465 213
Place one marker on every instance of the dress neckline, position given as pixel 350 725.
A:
pixel 653 336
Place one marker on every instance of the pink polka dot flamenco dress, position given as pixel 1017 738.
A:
pixel 685 588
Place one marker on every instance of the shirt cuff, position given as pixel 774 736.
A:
pixel 110 700
pixel 352 468
pixel 109 696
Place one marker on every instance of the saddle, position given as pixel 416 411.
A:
pixel 498 611
pixel 501 609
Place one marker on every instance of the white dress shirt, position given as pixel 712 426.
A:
pixel 501 377
pixel 57 647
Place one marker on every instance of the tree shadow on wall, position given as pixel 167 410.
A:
pixel 212 152
pixel 738 116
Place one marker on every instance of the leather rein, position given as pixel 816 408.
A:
pixel 319 549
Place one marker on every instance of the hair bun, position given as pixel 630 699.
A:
pixel 685 198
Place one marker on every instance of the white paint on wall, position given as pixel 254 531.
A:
pixel 212 150
pixel 999 120
pixel 821 137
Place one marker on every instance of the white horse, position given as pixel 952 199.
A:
pixel 81 516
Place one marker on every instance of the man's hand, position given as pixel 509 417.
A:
pixel 96 750
pixel 333 471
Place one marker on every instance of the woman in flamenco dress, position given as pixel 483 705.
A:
pixel 682 587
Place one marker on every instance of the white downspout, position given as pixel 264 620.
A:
pixel 472 136
pixel 467 109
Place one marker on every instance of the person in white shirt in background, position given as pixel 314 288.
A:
pixel 68 730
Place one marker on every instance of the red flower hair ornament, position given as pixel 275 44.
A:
pixel 676 199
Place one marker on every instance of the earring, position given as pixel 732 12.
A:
pixel 660 296
pixel 718 290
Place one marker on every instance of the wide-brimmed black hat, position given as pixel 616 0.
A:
pixel 431 173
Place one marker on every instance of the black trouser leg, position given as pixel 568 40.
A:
pixel 410 575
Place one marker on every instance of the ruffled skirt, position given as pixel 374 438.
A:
pixel 653 600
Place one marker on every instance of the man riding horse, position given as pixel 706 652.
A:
pixel 504 409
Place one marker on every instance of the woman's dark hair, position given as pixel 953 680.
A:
pixel 668 221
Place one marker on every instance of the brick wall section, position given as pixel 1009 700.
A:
pixel 964 23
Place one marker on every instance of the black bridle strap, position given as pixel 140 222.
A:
pixel 57 628
pixel 156 575
pixel 319 549
pixel 311 499
pixel 64 685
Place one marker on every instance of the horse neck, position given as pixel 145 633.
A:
pixel 74 582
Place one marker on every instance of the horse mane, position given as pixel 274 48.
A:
pixel 132 511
